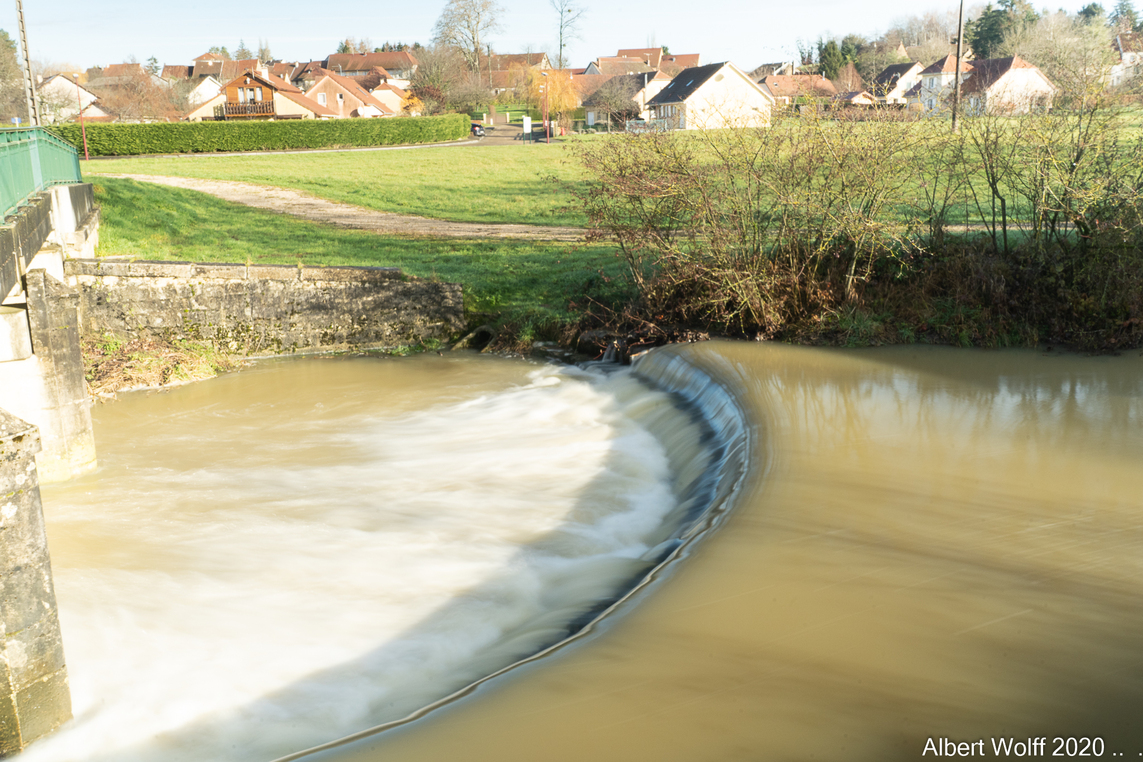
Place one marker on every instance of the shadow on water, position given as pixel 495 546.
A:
pixel 573 601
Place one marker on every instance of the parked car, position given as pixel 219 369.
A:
pixel 477 130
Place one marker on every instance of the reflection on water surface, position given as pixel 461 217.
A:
pixel 948 544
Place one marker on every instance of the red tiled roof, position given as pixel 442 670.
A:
pixel 688 61
pixel 398 60
pixel 651 56
pixel 794 85
pixel 122 70
pixel 208 57
pixel 947 65
pixel 615 65
pixel 506 61
pixel 986 72
pixel 176 72
pixel 1129 42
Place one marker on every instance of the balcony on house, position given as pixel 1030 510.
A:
pixel 258 108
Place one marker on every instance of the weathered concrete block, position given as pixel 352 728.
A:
pixel 272 272
pixel 15 336
pixel 350 274
pixel 219 271
pixel 182 270
pixel 34 694
pixel 275 309
pixel 65 421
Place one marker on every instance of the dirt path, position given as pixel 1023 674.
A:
pixel 306 207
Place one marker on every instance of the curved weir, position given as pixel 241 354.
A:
pixel 300 552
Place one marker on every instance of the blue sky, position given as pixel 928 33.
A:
pixel 748 33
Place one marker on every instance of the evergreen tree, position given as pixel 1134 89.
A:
pixel 243 53
pixel 1123 17
pixel 13 103
pixel 830 59
pixel 985 33
pixel 153 65
pixel 1092 13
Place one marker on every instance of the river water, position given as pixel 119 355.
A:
pixel 929 545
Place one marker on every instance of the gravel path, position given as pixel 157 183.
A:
pixel 286 201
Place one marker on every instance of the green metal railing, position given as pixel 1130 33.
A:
pixel 31 160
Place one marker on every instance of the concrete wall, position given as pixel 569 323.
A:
pixel 34 693
pixel 264 309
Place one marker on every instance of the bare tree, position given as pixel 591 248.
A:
pixel 264 53
pixel 464 25
pixel 570 15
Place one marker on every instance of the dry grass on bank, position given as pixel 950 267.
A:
pixel 112 365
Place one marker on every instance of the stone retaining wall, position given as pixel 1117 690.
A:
pixel 264 309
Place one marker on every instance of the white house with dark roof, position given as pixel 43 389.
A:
pixel 891 85
pixel 1006 86
pixel 714 96
pixel 988 86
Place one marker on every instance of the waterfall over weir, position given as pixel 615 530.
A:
pixel 303 551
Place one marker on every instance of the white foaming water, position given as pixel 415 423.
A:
pixel 275 559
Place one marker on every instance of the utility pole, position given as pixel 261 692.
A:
pixel 956 82
pixel 26 65
pixel 82 128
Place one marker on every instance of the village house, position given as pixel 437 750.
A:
pixel 790 88
pixel 61 99
pixel 347 98
pixel 627 94
pixel 779 67
pixel 510 72
pixel 613 66
pixel 988 86
pixel 714 96
pixel 1006 86
pixel 400 64
pixel 260 95
pixel 891 85
pixel 861 98
pixel 933 93
pixel 121 75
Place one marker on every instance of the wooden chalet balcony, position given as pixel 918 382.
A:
pixel 228 110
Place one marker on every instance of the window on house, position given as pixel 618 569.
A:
pixel 321 98
pixel 340 99
pixel 242 95
pixel 258 95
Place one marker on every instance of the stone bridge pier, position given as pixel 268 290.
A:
pixel 45 435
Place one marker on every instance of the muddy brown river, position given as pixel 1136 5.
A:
pixel 935 552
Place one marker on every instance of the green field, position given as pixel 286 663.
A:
pixel 510 184
pixel 519 281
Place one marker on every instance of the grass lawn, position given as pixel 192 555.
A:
pixel 521 281
pixel 463 183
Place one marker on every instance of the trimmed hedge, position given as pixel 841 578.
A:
pixel 208 137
